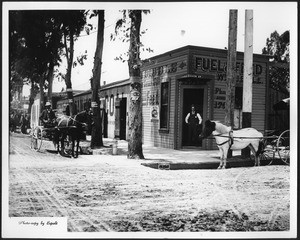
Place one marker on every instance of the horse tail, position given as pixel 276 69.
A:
pixel 261 147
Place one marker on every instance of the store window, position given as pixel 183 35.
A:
pixel 164 106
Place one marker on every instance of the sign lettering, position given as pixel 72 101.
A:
pixel 219 67
pixel 220 98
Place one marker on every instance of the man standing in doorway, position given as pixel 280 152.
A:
pixel 193 119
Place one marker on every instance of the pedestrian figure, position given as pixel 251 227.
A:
pixel 12 124
pixel 193 119
pixel 24 122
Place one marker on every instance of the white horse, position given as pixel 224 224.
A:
pixel 227 139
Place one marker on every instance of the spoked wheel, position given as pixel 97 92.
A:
pixel 36 138
pixel 267 156
pixel 283 146
pixel 66 149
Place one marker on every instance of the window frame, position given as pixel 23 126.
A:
pixel 111 105
pixel 164 129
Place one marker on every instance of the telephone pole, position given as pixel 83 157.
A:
pixel 248 74
pixel 231 68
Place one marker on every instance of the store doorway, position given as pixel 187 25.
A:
pixel 123 115
pixel 189 133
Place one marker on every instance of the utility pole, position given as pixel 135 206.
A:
pixel 248 74
pixel 231 71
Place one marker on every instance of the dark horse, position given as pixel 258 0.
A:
pixel 70 130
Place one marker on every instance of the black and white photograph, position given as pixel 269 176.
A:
pixel 149 119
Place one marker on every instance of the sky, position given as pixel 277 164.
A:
pixel 172 25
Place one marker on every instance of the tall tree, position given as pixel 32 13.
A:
pixel 278 47
pixel 132 34
pixel 73 23
pixel 135 150
pixel 96 140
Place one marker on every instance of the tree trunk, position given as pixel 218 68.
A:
pixel 96 140
pixel 31 97
pixel 135 150
pixel 50 81
pixel 70 55
pixel 42 97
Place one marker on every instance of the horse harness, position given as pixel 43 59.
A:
pixel 69 119
pixel 230 139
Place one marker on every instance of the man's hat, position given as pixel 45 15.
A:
pixel 48 104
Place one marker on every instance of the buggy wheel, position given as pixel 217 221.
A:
pixel 66 149
pixel 36 138
pixel 266 158
pixel 283 146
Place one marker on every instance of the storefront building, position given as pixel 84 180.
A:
pixel 174 81
pixel 115 107
pixel 191 75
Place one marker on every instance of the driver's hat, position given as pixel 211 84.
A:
pixel 48 104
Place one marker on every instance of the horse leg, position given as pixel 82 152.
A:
pixel 77 146
pixel 62 143
pixel 56 144
pixel 58 134
pixel 225 152
pixel 257 162
pixel 73 146
pixel 221 158
pixel 77 149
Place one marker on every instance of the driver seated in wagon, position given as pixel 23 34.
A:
pixel 48 118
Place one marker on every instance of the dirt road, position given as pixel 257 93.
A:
pixel 111 193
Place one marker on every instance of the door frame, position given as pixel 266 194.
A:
pixel 180 118
pixel 123 109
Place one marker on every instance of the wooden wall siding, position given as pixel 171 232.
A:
pixel 216 70
pixel 161 70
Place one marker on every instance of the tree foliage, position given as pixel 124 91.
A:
pixel 122 33
pixel 73 22
pixel 35 48
pixel 39 39
pixel 277 46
